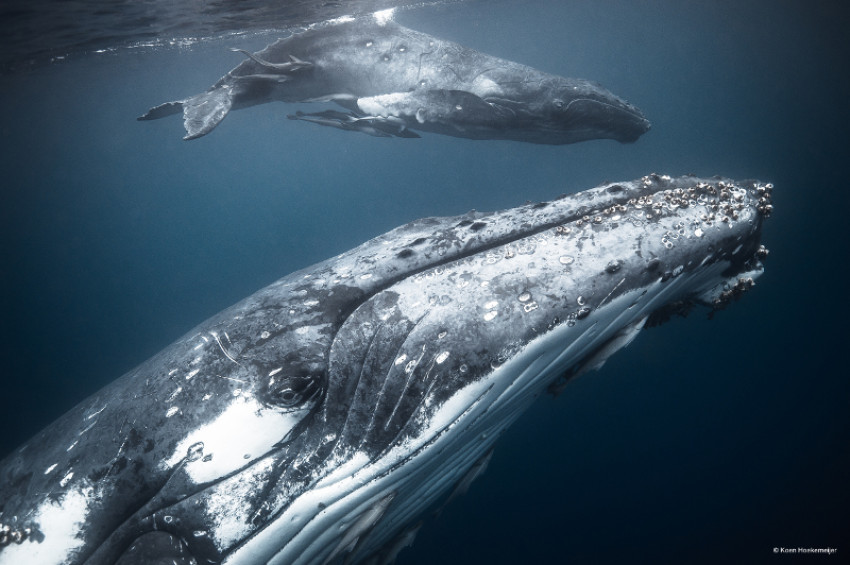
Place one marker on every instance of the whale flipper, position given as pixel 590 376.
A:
pixel 294 63
pixel 259 77
pixel 392 114
pixel 377 126
pixel 434 107
pixel 201 113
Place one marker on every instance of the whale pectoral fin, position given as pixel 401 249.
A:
pixel 294 63
pixel 201 113
pixel 340 97
pixel 390 126
pixel 261 77
pixel 459 107
pixel 400 130
pixel 370 125
pixel 440 107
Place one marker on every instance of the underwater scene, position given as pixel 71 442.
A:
pixel 386 403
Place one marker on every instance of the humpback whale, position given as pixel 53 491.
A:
pixel 391 80
pixel 319 419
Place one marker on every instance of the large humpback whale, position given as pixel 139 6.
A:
pixel 315 421
pixel 393 80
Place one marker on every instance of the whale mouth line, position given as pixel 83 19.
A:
pixel 638 119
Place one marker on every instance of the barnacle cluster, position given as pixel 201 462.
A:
pixel 764 206
pixel 9 535
pixel 723 201
pixel 716 203
pixel 742 285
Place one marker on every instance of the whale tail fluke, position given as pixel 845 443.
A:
pixel 201 113
pixel 162 110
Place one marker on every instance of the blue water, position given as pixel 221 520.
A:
pixel 703 441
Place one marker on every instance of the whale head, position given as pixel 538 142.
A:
pixel 574 110
pixel 318 419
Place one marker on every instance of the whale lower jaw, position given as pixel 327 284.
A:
pixel 421 471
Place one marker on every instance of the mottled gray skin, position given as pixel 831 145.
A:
pixel 411 80
pixel 365 348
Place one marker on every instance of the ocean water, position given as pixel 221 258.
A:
pixel 705 440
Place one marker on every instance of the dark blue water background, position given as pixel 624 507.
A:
pixel 703 441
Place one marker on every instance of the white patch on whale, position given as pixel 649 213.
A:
pixel 382 17
pixel 227 440
pixel 62 521
pixel 230 523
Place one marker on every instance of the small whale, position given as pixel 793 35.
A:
pixel 392 80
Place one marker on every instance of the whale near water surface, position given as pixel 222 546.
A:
pixel 391 80
pixel 320 419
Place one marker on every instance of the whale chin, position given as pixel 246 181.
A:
pixel 585 119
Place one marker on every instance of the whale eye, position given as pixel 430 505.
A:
pixel 558 103
pixel 288 397
pixel 293 392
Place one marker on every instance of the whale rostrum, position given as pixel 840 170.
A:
pixel 391 80
pixel 322 418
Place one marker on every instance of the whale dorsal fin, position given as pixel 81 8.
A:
pixel 202 112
